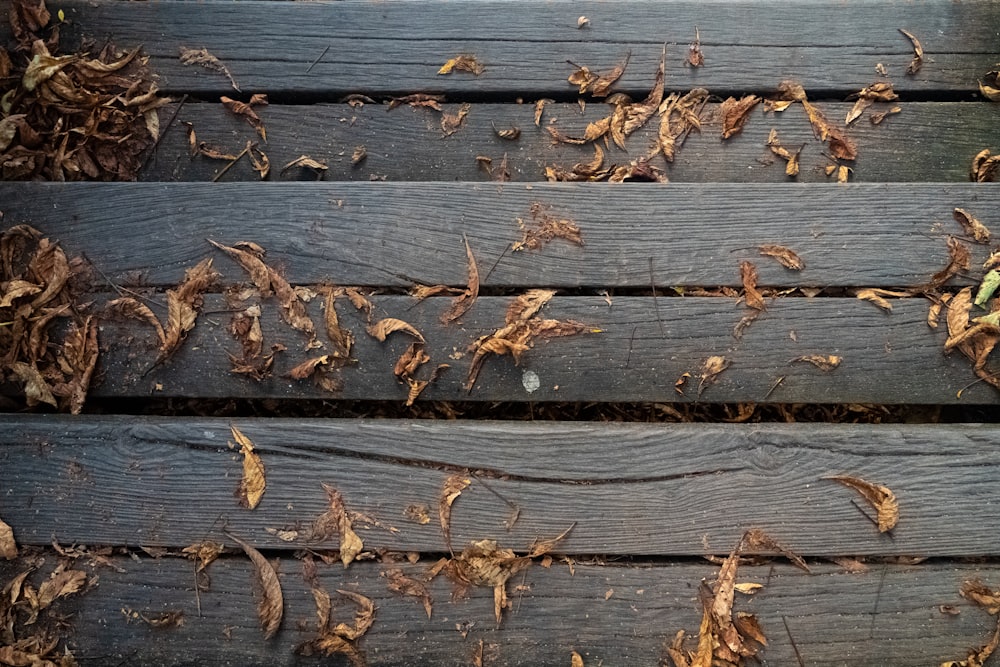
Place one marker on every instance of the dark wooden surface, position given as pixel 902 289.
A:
pixel 655 490
pixel 926 141
pixel 887 357
pixel 390 234
pixel 829 47
pixel 888 616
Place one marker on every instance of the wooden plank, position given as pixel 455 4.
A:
pixel 389 234
pixel 328 50
pixel 927 141
pixel 887 357
pixel 611 615
pixel 628 489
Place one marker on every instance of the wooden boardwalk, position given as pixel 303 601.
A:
pixel 653 291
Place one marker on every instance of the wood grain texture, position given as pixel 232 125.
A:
pixel 630 489
pixel 625 356
pixel 927 141
pixel 610 614
pixel 361 47
pixel 390 234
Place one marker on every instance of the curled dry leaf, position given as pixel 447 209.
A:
pixel 359 154
pixel 309 367
pixel 881 498
pixel 203 58
pixel 418 101
pixel 786 256
pixel 510 134
pixel 825 363
pixel 397 582
pixel 959 259
pixel 984 166
pixel 450 491
pixel 710 371
pixel 679 115
pixel 380 330
pixel 695 58
pixel 971 225
pixel 253 483
pixel 246 111
pixel 204 552
pixel 540 109
pixel 596 84
pixel 340 338
pixel 735 114
pixel 306 162
pixel 877 117
pixel 918 53
pixel 270 606
pixel 880 91
pixel 8 547
pixel 636 115
pixel 791 159
pixel 463 63
pixel 183 305
pixel 990 88
pixel 748 276
pixel 981 594
pixel 461 305
pixel 134 309
pixel 450 124
pixel 575 659
pixel 875 295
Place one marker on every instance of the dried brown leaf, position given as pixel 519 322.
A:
pixel 247 112
pixel 748 276
pixel 258 158
pixel 359 154
pixel 971 225
pixel 540 109
pixel 417 101
pixel 61 584
pixel 397 582
pixel 918 53
pixel 306 162
pixel 527 305
pixel 204 552
pixel 309 367
pixel 710 371
pixel 990 89
pixel 877 118
pixel 786 256
pixel 463 63
pixel 380 330
pixel 8 547
pixel 418 513
pixel 984 166
pixel 253 483
pixel 543 547
pixel 511 133
pixel 596 84
pixel 36 389
pixel 695 57
pixel 959 259
pixel 340 338
pixel 875 295
pixel 183 305
pixel 636 115
pixel 461 305
pixel 756 539
pixel 825 363
pixel 270 606
pixel 135 309
pixel 978 657
pixel 336 520
pixel 984 596
pixel 450 491
pixel 450 124
pixel 735 114
pixel 575 659
pixel 203 58
pixel 881 498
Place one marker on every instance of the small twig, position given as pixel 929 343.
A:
pixel 774 386
pixel 490 272
pixel 798 656
pixel 318 59
pixel 656 304
pixel 159 138
pixel 508 503
pixel 197 588
pixel 122 291
pixel 628 357
pixel 878 597
pixel 229 166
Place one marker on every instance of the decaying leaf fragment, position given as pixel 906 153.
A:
pixel 971 225
pixel 786 256
pixel 8 547
pixel 679 115
pixel 876 296
pixel 540 109
pixel 342 638
pixel 246 111
pixel 418 101
pixel 695 58
pixel 791 159
pixel 205 59
pixel 748 276
pixel 880 91
pixel 636 115
pixel 133 308
pixel 877 117
pixel 336 521
pixel 959 259
pixel 984 167
pixel 450 123
pixel 881 498
pixel 982 595
pixel 183 305
pixel 823 362
pixel 450 491
pixel 461 305
pixel 596 84
pixel 735 114
pixel 547 227
pixel 204 552
pixel 990 88
pixel 463 63
pixel 509 134
pixel 253 483
pixel 306 162
pixel 270 606
pixel 397 582
pixel 918 53
pixel 710 371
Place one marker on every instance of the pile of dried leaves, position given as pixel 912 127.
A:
pixel 71 117
pixel 49 340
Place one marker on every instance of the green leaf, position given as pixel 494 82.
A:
pixel 989 285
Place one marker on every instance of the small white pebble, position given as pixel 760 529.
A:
pixel 582 22
pixel 530 381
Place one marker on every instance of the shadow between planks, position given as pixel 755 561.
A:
pixel 629 490
pixel 926 141
pixel 611 614
pixel 326 50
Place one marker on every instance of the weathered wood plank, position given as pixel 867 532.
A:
pixel 331 49
pixel 611 615
pixel 630 489
pixel 927 141
pixel 388 234
pixel 887 357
